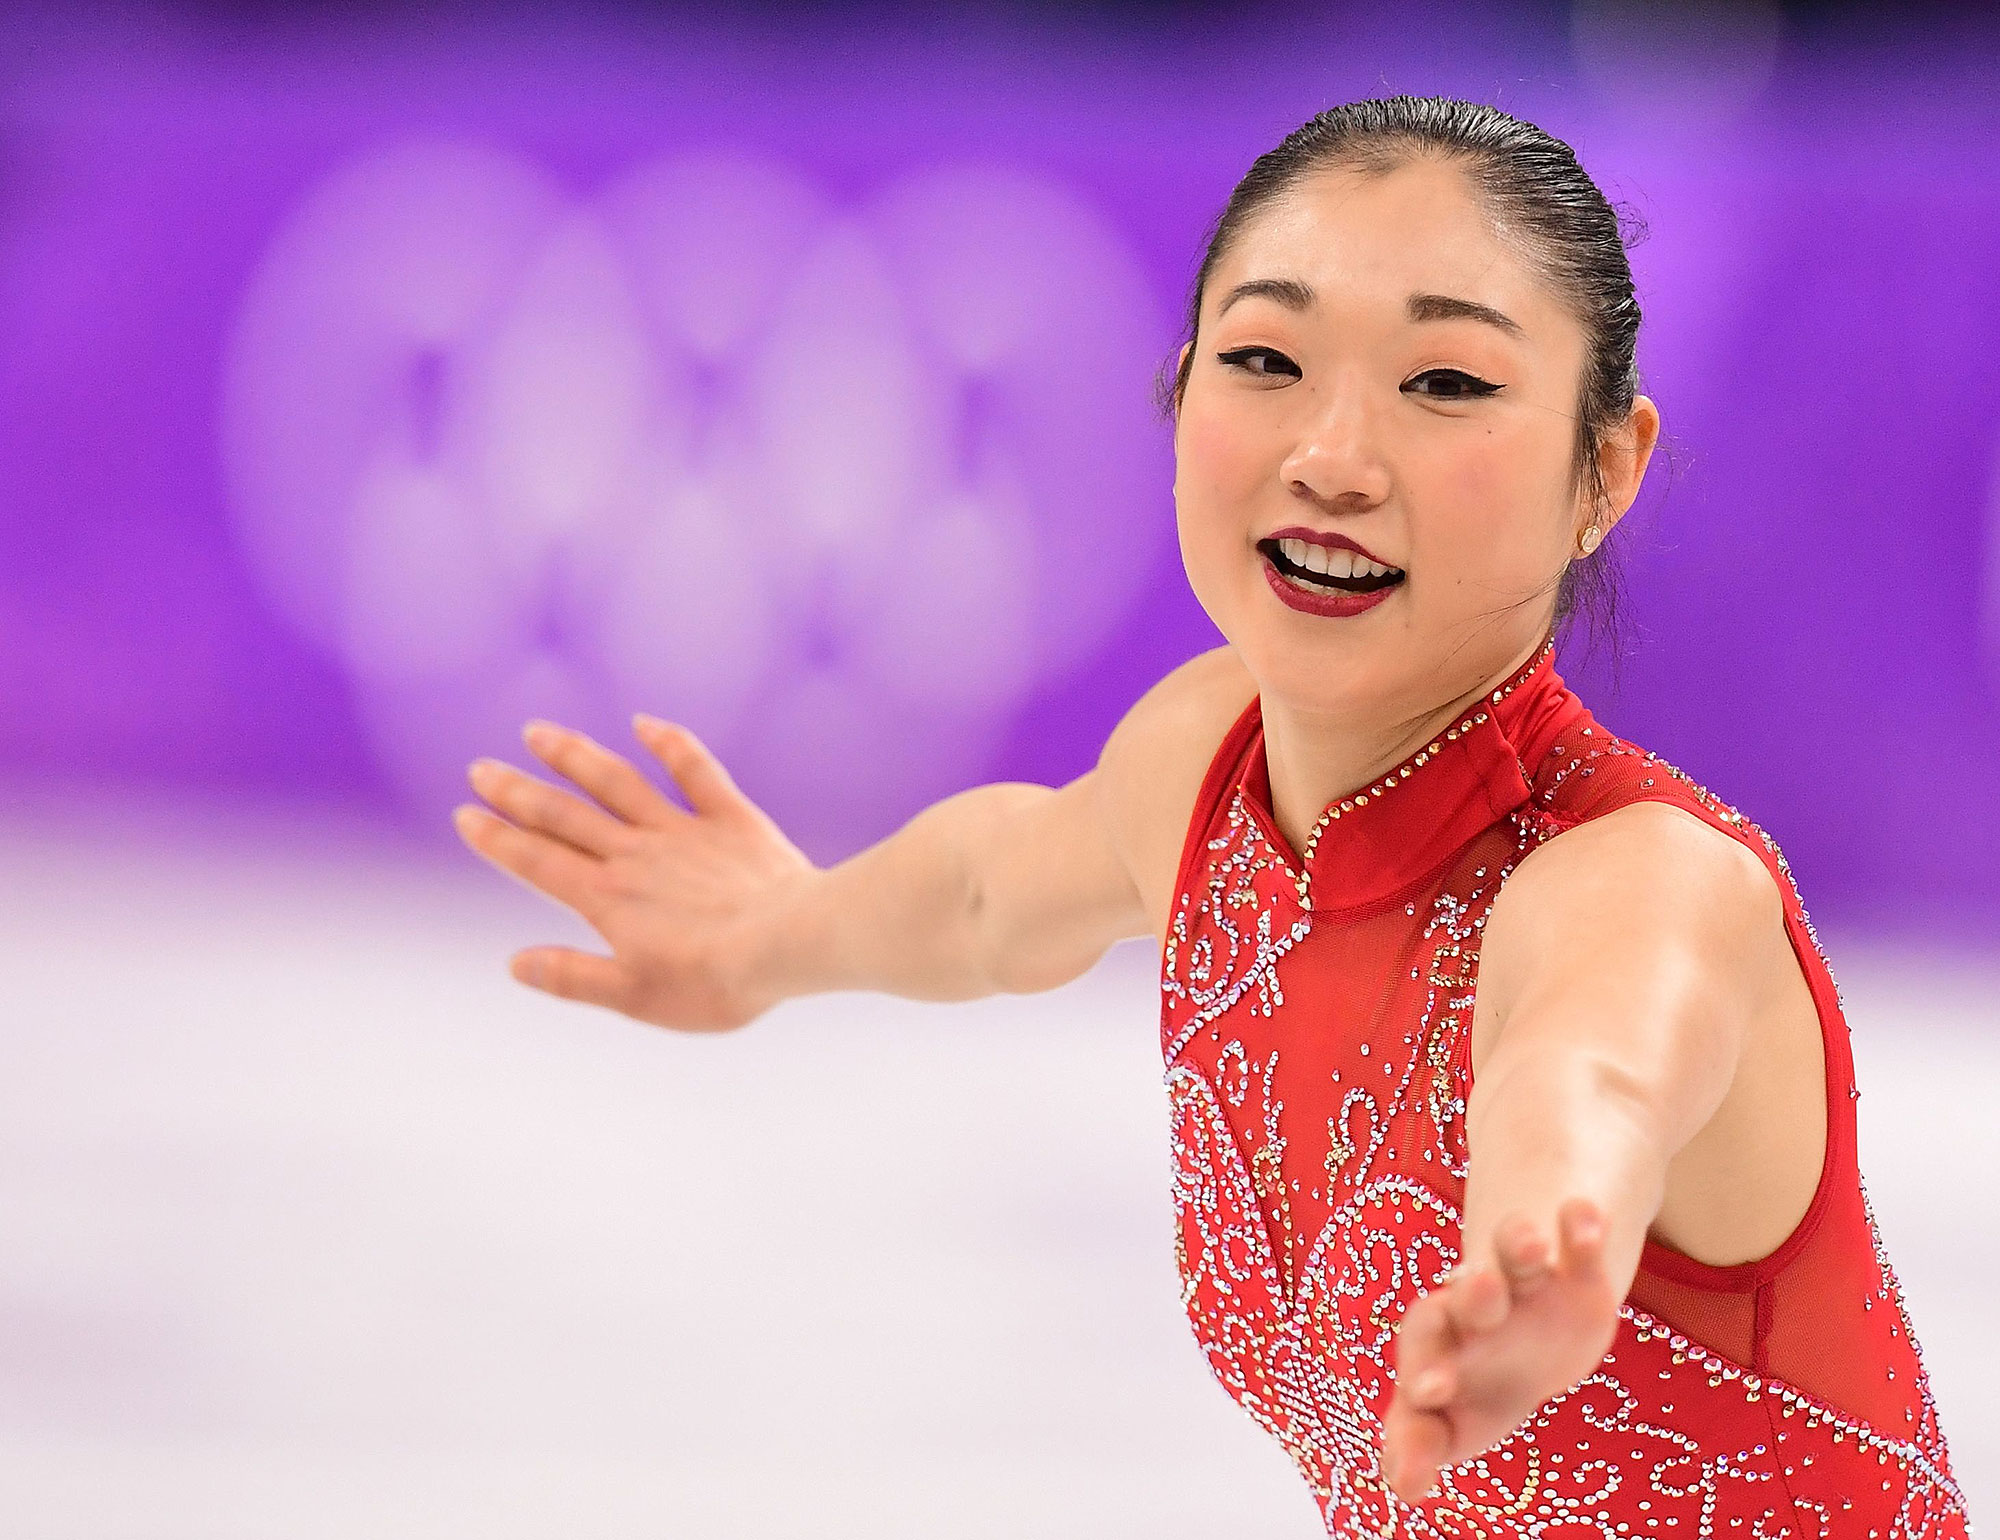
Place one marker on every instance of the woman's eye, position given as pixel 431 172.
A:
pixel 1460 385
pixel 1280 365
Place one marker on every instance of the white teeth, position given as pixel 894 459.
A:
pixel 1331 561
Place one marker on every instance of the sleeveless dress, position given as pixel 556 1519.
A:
pixel 1315 1017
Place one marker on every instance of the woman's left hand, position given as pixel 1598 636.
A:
pixel 1479 1354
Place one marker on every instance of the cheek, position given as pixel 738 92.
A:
pixel 1217 482
pixel 1218 460
pixel 1490 504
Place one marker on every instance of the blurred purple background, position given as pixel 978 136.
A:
pixel 374 381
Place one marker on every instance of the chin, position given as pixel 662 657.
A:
pixel 1307 689
pixel 1308 674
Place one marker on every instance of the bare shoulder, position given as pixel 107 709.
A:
pixel 1655 847
pixel 1153 764
pixel 1648 879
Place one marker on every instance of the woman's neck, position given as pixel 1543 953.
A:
pixel 1314 758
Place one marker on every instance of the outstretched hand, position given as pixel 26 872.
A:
pixel 684 896
pixel 1479 1354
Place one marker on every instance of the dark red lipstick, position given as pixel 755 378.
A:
pixel 1320 593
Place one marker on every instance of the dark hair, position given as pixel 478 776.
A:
pixel 1529 183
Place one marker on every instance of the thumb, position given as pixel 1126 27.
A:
pixel 698 773
pixel 572 975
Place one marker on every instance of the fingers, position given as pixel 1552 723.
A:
pixel 533 804
pixel 1419 1349
pixel 1581 1224
pixel 1433 1388
pixel 1526 1257
pixel 543 863
pixel 1523 1253
pixel 1416 1430
pixel 1468 1361
pixel 1414 1446
pixel 699 774
pixel 573 975
pixel 1476 1300
pixel 1425 1337
pixel 613 780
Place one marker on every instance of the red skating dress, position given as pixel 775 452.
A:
pixel 1315 1021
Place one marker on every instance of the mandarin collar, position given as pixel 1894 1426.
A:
pixel 1377 843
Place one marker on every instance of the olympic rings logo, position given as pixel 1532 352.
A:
pixel 838 483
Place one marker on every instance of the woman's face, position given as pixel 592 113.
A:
pixel 1339 400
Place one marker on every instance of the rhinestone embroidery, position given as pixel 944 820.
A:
pixel 1319 1158
pixel 1407 768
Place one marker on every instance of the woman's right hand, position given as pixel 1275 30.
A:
pixel 689 899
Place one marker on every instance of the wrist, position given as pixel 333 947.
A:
pixel 789 947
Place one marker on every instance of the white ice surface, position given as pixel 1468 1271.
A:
pixel 314 1223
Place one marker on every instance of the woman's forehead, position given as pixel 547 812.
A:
pixel 1378 238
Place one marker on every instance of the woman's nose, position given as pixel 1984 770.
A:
pixel 1338 457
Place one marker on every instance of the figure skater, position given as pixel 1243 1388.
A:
pixel 1512 1104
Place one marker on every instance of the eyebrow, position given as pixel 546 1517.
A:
pixel 1448 307
pixel 1296 295
pixel 1289 292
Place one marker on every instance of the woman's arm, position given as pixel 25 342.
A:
pixel 1010 887
pixel 1623 969
pixel 713 915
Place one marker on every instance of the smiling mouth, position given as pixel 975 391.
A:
pixel 1326 582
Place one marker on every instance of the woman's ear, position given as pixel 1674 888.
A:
pixel 1622 457
pixel 1180 380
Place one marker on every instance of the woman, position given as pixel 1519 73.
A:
pixel 1513 1117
